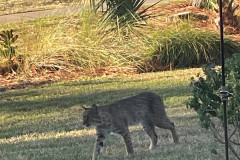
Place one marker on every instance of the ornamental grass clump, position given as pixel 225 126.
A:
pixel 187 47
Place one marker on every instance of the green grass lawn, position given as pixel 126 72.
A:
pixel 45 123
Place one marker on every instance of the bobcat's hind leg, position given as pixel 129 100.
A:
pixel 153 138
pixel 149 128
pixel 169 125
pixel 125 133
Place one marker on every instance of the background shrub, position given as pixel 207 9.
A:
pixel 207 4
pixel 206 101
pixel 10 62
pixel 75 42
pixel 187 47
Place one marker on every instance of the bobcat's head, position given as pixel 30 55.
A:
pixel 90 116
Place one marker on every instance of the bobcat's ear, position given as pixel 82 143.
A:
pixel 85 108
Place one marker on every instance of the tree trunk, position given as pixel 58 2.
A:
pixel 229 10
pixel 229 16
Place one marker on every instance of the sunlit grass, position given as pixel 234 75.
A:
pixel 45 123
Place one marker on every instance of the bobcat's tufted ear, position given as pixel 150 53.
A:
pixel 85 108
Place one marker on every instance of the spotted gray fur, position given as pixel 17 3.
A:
pixel 146 108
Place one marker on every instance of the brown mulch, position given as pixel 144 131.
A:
pixel 33 79
pixel 15 81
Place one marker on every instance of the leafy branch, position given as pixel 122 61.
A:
pixel 206 101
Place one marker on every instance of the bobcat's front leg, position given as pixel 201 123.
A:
pixel 125 133
pixel 98 145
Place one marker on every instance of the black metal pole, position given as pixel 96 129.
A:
pixel 224 91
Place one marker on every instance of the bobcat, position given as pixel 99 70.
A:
pixel 146 108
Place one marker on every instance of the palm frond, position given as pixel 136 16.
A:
pixel 124 13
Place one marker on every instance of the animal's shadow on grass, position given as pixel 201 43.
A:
pixel 102 97
pixel 59 104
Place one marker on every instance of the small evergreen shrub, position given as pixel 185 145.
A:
pixel 7 39
pixel 206 101
pixel 9 61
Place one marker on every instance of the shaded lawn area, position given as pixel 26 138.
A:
pixel 46 122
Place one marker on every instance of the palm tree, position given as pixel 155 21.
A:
pixel 229 13
pixel 229 9
pixel 124 13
